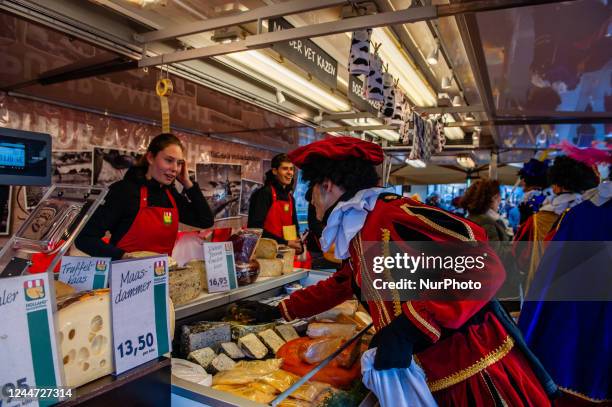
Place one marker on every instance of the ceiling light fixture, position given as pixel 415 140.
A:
pixel 466 161
pixel 416 163
pixel 470 117
pixel 432 58
pixel 319 117
pixel 410 79
pixel 447 82
pixel 280 98
pixel 268 69
pixel 457 101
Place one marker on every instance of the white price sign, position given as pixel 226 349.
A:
pixel 139 295
pixel 220 269
pixel 28 348
pixel 85 273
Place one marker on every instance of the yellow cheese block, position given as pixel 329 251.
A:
pixel 184 285
pixel 85 339
pixel 266 249
pixel 84 323
pixel 270 267
pixel 62 289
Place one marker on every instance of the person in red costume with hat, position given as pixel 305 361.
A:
pixel 470 350
pixel 272 207
pixel 142 211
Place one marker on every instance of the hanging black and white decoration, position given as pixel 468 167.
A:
pixel 374 80
pixel 388 106
pixel 359 58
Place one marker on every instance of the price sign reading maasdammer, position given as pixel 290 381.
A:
pixel 139 295
pixel 28 352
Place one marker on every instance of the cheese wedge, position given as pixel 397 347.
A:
pixel 202 357
pixel 184 285
pixel 62 289
pixel 266 249
pixel 252 346
pixel 270 267
pixel 271 340
pixel 84 324
pixel 287 332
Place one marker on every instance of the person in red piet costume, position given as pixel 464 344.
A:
pixel 142 211
pixel 471 351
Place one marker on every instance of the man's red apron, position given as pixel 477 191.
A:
pixel 281 214
pixel 154 229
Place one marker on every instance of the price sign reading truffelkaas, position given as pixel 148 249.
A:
pixel 220 269
pixel 85 273
pixel 139 294
pixel 27 341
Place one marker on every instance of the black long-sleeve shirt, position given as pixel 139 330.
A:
pixel 121 207
pixel 260 204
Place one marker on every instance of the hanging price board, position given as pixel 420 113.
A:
pixel 220 269
pixel 85 273
pixel 139 295
pixel 28 351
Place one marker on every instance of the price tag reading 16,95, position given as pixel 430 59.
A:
pixel 220 269
pixel 139 293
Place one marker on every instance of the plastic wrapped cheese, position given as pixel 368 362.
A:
pixel 191 372
pixel 281 380
pixel 247 371
pixel 318 349
pixel 319 329
pixel 266 249
pixel 348 307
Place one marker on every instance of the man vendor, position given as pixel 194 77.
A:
pixel 272 207
pixel 470 350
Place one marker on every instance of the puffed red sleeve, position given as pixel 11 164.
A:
pixel 320 297
pixel 430 317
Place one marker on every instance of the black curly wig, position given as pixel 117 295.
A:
pixel 572 175
pixel 351 174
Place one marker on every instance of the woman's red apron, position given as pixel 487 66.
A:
pixel 154 229
pixel 281 214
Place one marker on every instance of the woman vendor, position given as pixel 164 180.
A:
pixel 143 210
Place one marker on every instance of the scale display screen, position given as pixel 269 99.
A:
pixel 25 157
pixel 12 155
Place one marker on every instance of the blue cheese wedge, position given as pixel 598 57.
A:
pixel 204 334
pixel 271 340
pixel 202 357
pixel 252 347
pixel 287 332
pixel 232 350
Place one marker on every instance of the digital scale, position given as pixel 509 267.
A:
pixel 25 159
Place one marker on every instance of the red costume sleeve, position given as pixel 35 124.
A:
pixel 400 219
pixel 320 297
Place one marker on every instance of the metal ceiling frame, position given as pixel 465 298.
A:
pixel 264 40
pixel 271 11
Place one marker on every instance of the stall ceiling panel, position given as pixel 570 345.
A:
pixel 29 50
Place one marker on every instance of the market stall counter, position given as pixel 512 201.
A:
pixel 221 358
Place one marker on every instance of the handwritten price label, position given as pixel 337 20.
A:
pixel 220 269
pixel 139 292
pixel 144 345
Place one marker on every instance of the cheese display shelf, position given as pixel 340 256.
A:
pixel 207 301
pixel 208 308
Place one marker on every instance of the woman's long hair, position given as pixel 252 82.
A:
pixel 159 142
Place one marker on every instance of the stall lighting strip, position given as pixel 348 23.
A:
pixel 320 366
